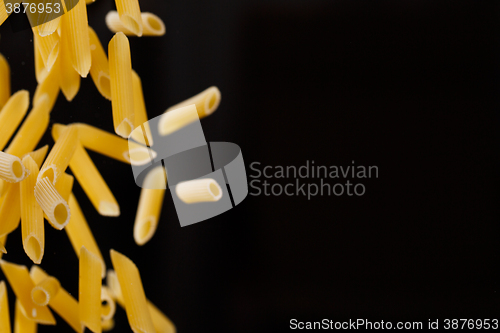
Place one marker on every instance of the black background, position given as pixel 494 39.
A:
pixel 409 86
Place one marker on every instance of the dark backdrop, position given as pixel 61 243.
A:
pixel 409 86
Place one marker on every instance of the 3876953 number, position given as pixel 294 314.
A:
pixel 33 8
pixel 472 324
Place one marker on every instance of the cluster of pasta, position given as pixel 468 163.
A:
pixel 34 185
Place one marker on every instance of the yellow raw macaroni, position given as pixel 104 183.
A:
pixel 122 94
pixel 48 47
pixel 44 291
pixel 206 102
pixel 11 168
pixel 174 120
pixel 32 223
pixel 4 80
pixel 49 87
pixel 69 79
pixel 23 324
pixel 99 71
pixel 10 208
pixel 39 155
pixel 89 290
pixel 152 24
pixel 12 114
pixel 52 203
pixel 65 185
pixel 40 70
pixel 75 23
pixel 199 190
pixel 130 15
pixel 4 309
pixel 108 304
pixel 141 116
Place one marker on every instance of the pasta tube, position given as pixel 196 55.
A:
pixel 39 155
pixel 52 203
pixel 32 224
pixel 174 120
pixel 48 46
pixel 44 291
pixel 2 248
pixel 75 23
pixel 150 204
pixel 49 22
pixel 99 71
pixel 69 78
pixel 22 284
pixel 60 155
pixel 3 241
pixel 31 131
pixel 4 308
pixel 108 304
pixel 12 114
pixel 206 102
pixel 199 190
pixel 111 145
pixel 79 233
pixel 141 115
pixel 152 25
pixel 122 94
pixel 89 290
pixel 40 70
pixel 65 185
pixel 12 169
pixel 63 303
pixel 108 325
pixel 4 78
pixel 23 324
pixel 130 15
pixel 49 87
pixel 129 279
pixel 10 209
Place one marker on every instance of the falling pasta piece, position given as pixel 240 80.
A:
pixel 12 169
pixel 206 102
pixel 60 155
pixel 10 208
pixel 90 290
pixel 52 203
pixel 108 307
pixel 39 155
pixel 141 115
pixel 152 24
pixel 130 15
pixel 62 303
pixel 129 279
pixel 23 324
pixel 174 120
pixel 80 234
pixel 150 204
pixel 44 291
pixel 22 284
pixel 2 248
pixel 49 87
pixel 48 46
pixel 122 94
pixel 75 23
pixel 40 70
pixel 107 325
pixel 12 114
pixel 199 190
pixel 4 79
pixel 65 185
pixel 4 308
pixel 32 223
pixel 69 78
pixel 99 71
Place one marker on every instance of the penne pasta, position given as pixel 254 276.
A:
pixel 79 233
pixel 48 47
pixel 89 290
pixel 91 180
pixel 49 87
pixel 108 307
pixel 10 209
pixel 52 203
pixel 23 324
pixel 4 308
pixel 4 78
pixel 199 190
pixel 141 116
pixel 63 303
pixel 122 94
pixel 12 169
pixel 88 2
pixel 2 248
pixel 69 78
pixel 152 25
pixel 50 23
pixel 130 15
pixel 174 120
pixel 75 24
pixel 45 290
pixel 31 131
pixel 150 204
pixel 110 145
pixel 65 185
pixel 108 325
pixel 3 241
pixel 206 102
pixel 99 71
pixel 132 290
pixel 3 13
pixel 40 70
pixel 22 284
pixel 39 155
pixel 32 223
pixel 12 114
pixel 60 155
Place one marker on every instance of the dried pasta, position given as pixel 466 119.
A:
pixel 122 94
pixel 174 120
pixel 132 290
pixel 75 23
pixel 22 284
pixel 152 25
pixel 23 324
pixel 69 78
pixel 130 15
pixel 44 291
pixel 52 203
pixel 206 102
pixel 4 309
pixel 39 155
pixel 12 169
pixel 10 209
pixel 32 223
pixel 4 79
pixel 89 290
pixel 49 87
pixel 141 116
pixel 65 185
pixel 199 190
pixel 48 47
pixel 99 71
pixel 108 304
pixel 40 70
pixel 12 114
